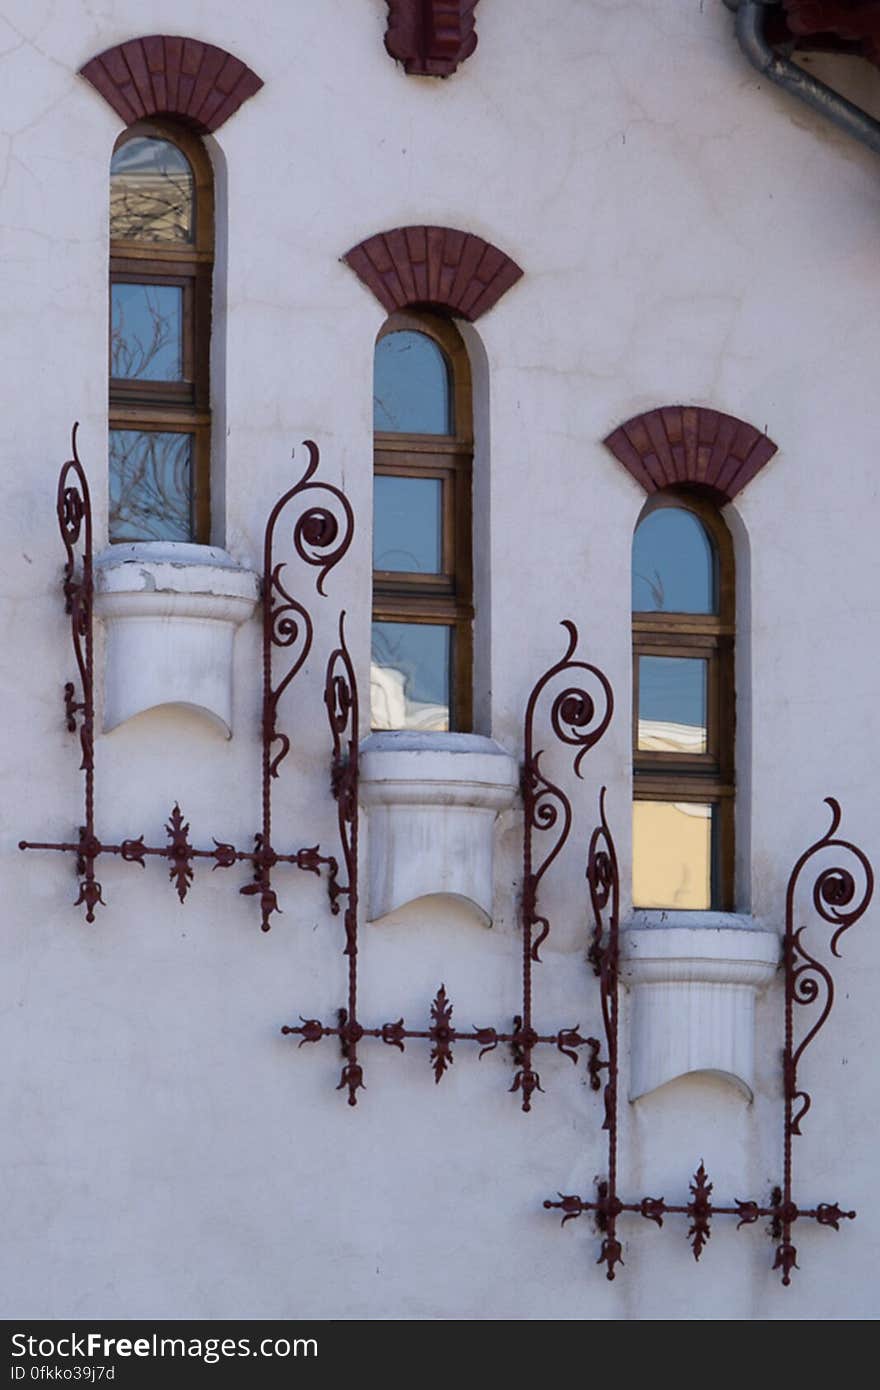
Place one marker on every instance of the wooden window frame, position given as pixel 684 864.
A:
pixel 708 777
pixel 178 406
pixel 444 599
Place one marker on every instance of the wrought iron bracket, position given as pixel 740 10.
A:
pixel 321 529
pixel 579 714
pixel 840 897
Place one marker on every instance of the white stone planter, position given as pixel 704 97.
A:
pixel 693 1004
pixel 170 612
pixel 432 801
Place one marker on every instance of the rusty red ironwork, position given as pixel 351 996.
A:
pixel 603 881
pixel 319 540
pixel 577 719
pixel 321 533
pixel 343 712
pixel 838 902
pixel 840 898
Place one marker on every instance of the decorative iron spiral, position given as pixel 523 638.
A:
pixel 319 538
pixel 599 878
pixel 319 541
pixel 74 512
pixel 289 626
pixel 71 510
pixel 577 717
pixel 547 804
pixel 839 898
pixel 340 701
pixel 573 711
pixel 602 875
pixel 290 621
pixel 547 809
pixel 315 531
pixel 340 694
pixel 73 504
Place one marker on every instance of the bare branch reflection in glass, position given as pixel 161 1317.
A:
pixel 146 332
pixel 151 192
pixel 411 386
pixel 674 566
pixel 150 485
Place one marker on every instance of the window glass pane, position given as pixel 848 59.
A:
pixel 410 676
pixel 151 192
pixel 146 332
pixel 674 564
pixel 672 854
pixel 672 704
pixel 411 386
pixel 150 485
pixel 407 521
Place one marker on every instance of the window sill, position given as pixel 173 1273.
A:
pixel 694 978
pixel 432 801
pixel 170 611
pixel 654 918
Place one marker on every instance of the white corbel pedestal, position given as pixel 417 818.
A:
pixel 693 982
pixel 432 801
pixel 170 612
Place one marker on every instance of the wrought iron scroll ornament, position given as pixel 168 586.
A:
pixel 74 511
pixel 321 531
pixel 839 902
pixel 840 897
pixel 578 720
pixel 579 715
pixel 320 539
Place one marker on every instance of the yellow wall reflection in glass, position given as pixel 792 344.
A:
pixel 672 854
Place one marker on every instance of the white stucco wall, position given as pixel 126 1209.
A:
pixel 688 234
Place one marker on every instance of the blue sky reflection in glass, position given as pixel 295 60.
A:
pixel 411 391
pixel 674 567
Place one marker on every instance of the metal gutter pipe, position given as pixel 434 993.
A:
pixel 750 33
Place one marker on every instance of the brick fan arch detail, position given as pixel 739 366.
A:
pixel 431 37
pixel 436 266
pixel 681 444
pixel 160 75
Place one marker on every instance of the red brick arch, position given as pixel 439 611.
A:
pixel 438 266
pixel 679 445
pixel 161 75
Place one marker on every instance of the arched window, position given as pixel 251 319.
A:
pixel 683 705
pixel 422 601
pixel 161 260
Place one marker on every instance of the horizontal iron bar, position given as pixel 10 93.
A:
pixel 394 1034
pixel 132 850
pixel 662 1209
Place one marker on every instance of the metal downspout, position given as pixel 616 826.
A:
pixel 822 98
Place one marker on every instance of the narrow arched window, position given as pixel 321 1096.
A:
pixel 422 599
pixel 161 261
pixel 683 705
